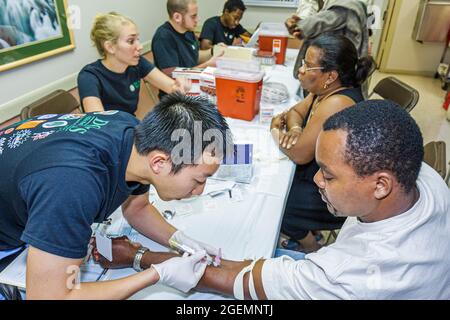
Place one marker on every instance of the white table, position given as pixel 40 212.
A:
pixel 244 229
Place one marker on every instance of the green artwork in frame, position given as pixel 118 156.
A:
pixel 31 30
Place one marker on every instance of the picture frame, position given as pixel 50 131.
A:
pixel 272 3
pixel 32 30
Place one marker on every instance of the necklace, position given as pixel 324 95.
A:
pixel 316 104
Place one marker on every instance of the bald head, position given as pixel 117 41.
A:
pixel 180 6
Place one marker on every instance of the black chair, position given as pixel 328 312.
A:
pixel 395 90
pixel 10 292
pixel 435 157
pixel 59 101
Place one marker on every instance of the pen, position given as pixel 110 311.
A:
pixel 102 274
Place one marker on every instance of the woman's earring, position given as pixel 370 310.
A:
pixel 325 86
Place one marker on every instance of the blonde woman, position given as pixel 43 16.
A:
pixel 113 82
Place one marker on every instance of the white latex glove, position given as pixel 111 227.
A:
pixel 182 273
pixel 181 238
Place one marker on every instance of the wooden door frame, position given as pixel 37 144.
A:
pixel 392 12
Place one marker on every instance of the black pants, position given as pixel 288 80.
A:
pixel 7 291
pixel 305 209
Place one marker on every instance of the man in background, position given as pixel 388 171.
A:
pixel 174 43
pixel 225 28
pixel 345 17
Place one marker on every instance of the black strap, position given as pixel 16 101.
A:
pixel 10 292
pixel 305 121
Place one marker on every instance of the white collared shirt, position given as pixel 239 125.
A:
pixel 404 257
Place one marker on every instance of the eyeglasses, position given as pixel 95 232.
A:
pixel 311 68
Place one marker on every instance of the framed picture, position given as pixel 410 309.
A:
pixel 31 30
pixel 272 3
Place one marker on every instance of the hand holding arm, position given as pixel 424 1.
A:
pixel 213 279
pixel 182 273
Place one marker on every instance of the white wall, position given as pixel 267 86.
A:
pixel 406 54
pixel 20 81
pixel 253 15
pixel 20 86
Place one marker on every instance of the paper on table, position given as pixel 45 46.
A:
pixel 212 186
pixel 183 210
pixel 104 246
pixel 264 147
pixel 210 205
pixel 15 273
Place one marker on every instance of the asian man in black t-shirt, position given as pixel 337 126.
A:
pixel 63 172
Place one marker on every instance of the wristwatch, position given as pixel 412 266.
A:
pixel 138 258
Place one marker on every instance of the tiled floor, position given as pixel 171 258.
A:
pixel 428 112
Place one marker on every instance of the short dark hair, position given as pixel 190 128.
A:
pixel 381 136
pixel 233 5
pixel 180 6
pixel 339 54
pixel 180 112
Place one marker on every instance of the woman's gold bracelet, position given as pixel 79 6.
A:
pixel 296 127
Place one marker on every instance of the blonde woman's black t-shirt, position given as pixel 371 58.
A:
pixel 117 91
pixel 60 174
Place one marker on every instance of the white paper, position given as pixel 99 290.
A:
pixel 210 205
pixel 183 209
pixel 212 186
pixel 104 246
pixel 15 273
pixel 237 195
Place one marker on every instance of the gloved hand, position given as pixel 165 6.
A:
pixel 182 273
pixel 181 238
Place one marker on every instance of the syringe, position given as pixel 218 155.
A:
pixel 182 248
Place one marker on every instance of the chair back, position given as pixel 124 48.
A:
pixel 395 90
pixel 434 156
pixel 59 101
